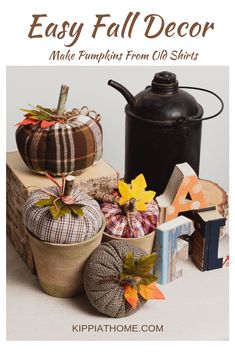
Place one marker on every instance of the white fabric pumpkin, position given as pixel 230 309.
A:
pixel 67 229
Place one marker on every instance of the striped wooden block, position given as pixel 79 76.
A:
pixel 98 177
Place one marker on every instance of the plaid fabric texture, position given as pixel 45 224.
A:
pixel 67 229
pixel 133 226
pixel 61 148
pixel 101 278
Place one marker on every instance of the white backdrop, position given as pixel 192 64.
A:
pixel 88 86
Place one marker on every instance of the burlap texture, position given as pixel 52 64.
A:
pixel 104 265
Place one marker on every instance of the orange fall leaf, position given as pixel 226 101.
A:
pixel 131 296
pixel 27 122
pixel 44 124
pixel 150 292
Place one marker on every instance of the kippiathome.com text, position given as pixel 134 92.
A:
pixel 116 328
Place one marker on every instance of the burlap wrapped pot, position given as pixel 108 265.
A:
pixel 62 246
pixel 145 243
pixel 100 278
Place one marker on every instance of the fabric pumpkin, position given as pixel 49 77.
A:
pixel 62 148
pixel 103 267
pixel 67 229
pixel 132 225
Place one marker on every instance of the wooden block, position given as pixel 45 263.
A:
pixel 100 176
pixel 170 249
pixel 205 240
pixel 183 182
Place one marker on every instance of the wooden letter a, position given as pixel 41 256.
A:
pixel 183 182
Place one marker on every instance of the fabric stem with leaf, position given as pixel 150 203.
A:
pixel 137 279
pixel 59 141
pixel 135 214
pixel 63 203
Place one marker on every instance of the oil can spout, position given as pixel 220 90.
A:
pixel 124 91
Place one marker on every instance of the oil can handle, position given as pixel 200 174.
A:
pixel 208 91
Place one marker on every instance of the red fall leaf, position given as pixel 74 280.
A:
pixel 45 124
pixel 27 122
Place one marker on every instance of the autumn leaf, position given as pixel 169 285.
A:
pixel 46 110
pixel 136 278
pixel 129 266
pixel 150 292
pixel 45 124
pixel 77 210
pixel 125 191
pixel 45 116
pixel 131 296
pixel 137 191
pixel 147 279
pixel 27 122
pixel 145 264
pixel 30 111
pixel 43 202
pixel 139 183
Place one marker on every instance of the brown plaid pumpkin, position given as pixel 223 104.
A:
pixel 101 276
pixel 67 229
pixel 63 148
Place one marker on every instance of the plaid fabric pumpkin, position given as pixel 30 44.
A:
pixel 67 229
pixel 101 278
pixel 62 148
pixel 134 225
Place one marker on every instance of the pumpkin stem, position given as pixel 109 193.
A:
pixel 62 99
pixel 69 185
pixel 130 207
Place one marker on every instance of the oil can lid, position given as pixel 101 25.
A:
pixel 165 101
pixel 164 82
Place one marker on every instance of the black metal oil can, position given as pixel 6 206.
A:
pixel 163 128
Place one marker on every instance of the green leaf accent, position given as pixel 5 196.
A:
pixel 129 266
pixel 48 110
pixel 60 212
pixel 59 204
pixel 148 279
pixel 43 117
pixel 138 272
pixel 30 111
pixel 77 210
pixel 43 202
pixel 40 113
pixel 54 213
pixel 145 264
pixel 64 210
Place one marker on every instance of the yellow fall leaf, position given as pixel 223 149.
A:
pixel 139 183
pixel 136 191
pixel 140 206
pixel 125 191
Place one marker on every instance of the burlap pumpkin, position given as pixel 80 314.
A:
pixel 100 283
pixel 67 229
pixel 63 148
